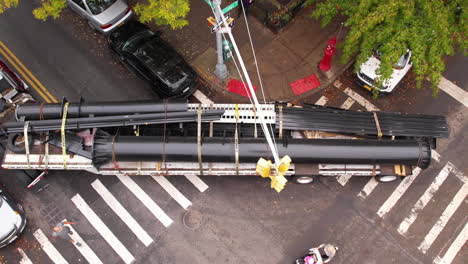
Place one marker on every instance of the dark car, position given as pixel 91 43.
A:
pixel 10 83
pixel 12 219
pixel 153 59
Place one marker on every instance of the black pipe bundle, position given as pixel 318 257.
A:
pixel 112 121
pixel 363 123
pixel 144 148
pixel 76 110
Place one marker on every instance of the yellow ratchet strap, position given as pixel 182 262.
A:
pixel 236 140
pixel 62 132
pixel 377 124
pixel 26 142
pixel 200 164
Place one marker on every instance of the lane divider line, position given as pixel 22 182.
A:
pixel 45 92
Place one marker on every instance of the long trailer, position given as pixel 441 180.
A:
pixel 218 139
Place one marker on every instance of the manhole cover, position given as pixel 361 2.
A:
pixel 192 219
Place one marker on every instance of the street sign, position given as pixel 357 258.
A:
pixel 227 8
pixel 219 25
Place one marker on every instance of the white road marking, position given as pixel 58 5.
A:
pixel 435 155
pixel 343 179
pixel 454 91
pixel 453 250
pixel 24 258
pixel 84 249
pixel 105 232
pixel 201 97
pixel 368 188
pixel 173 192
pixel 360 100
pixel 444 218
pixel 398 193
pixel 322 101
pixel 48 248
pixel 146 200
pixel 424 200
pixel 119 210
pixel 199 184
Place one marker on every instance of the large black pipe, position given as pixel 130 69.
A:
pixel 111 121
pixel 130 148
pixel 54 111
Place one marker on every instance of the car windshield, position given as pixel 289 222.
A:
pixel 163 62
pixel 1 201
pixel 402 61
pixel 136 41
pixel 98 6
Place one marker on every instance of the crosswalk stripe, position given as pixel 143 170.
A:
pixel 360 100
pixel 119 210
pixel 435 155
pixel 398 193
pixel 84 249
pixel 172 191
pixel 202 97
pixel 424 200
pixel 199 184
pixel 454 91
pixel 454 248
pixel 146 200
pixel 368 188
pixel 444 218
pixel 105 232
pixel 322 101
pixel 24 258
pixel 343 179
pixel 48 248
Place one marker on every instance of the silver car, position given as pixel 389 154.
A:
pixel 12 220
pixel 102 15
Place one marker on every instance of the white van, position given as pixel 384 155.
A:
pixel 367 73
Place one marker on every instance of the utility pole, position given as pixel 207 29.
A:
pixel 221 69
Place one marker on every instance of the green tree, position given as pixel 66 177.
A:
pixel 164 12
pixel 430 29
pixel 49 8
pixel 161 12
pixel 5 4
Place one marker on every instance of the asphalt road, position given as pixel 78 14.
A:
pixel 236 220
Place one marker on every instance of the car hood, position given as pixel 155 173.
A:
pixel 369 68
pixel 113 13
pixel 8 219
pixel 168 65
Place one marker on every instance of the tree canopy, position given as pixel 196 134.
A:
pixel 430 29
pixel 160 12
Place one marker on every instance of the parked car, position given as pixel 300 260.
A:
pixel 367 73
pixel 12 219
pixel 10 86
pixel 144 52
pixel 102 15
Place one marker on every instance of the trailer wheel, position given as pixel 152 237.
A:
pixel 386 178
pixel 18 146
pixel 302 179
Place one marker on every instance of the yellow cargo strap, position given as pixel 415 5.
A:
pixel 280 107
pixel 377 124
pixel 200 163
pixel 62 132
pixel 26 142
pixel 236 141
pixel 266 169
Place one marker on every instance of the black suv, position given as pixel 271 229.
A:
pixel 153 59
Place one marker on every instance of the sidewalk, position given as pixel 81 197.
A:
pixel 282 58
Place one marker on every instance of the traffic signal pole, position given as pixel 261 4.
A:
pixel 221 69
